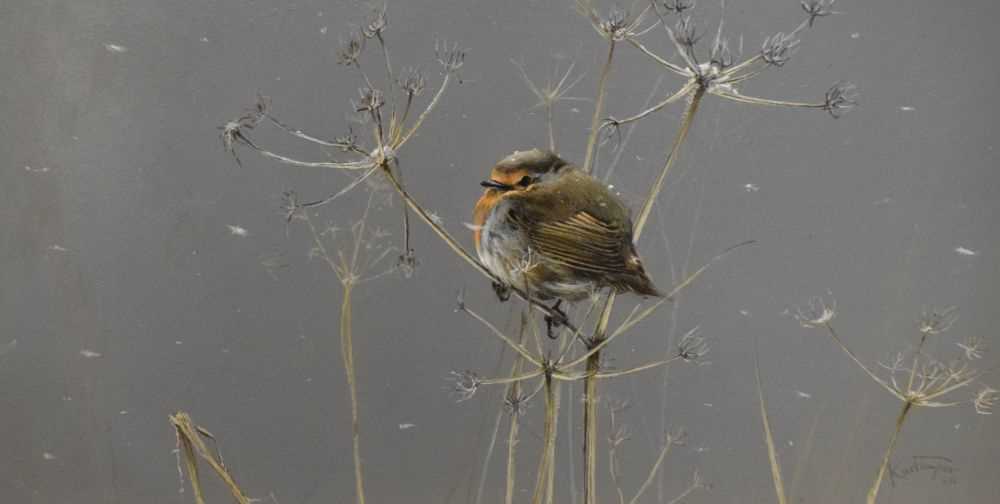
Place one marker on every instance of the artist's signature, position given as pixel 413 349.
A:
pixel 940 469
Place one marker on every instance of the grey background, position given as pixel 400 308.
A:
pixel 116 196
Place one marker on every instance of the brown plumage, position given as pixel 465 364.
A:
pixel 544 226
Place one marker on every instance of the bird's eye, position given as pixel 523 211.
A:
pixel 525 181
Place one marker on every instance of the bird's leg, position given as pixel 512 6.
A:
pixel 502 291
pixel 558 318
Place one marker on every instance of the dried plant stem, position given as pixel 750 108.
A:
pixel 653 471
pixel 545 479
pixel 189 439
pixel 550 122
pixel 595 121
pixel 686 121
pixel 512 442
pixel 873 492
pixel 347 352
pixel 772 452
pixel 593 361
pixel 590 405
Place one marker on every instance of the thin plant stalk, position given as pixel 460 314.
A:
pixel 546 466
pixel 873 492
pixel 772 452
pixel 595 121
pixel 593 362
pixel 590 407
pixel 347 352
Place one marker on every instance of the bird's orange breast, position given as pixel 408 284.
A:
pixel 482 211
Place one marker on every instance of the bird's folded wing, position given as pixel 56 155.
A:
pixel 582 242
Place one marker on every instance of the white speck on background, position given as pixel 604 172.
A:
pixel 48 456
pixel 803 395
pixel 115 48
pixel 855 35
pixel 966 251
pixel 237 230
pixel 404 426
pixel 90 354
pixel 751 187
pixel 907 108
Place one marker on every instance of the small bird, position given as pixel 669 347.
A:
pixel 553 231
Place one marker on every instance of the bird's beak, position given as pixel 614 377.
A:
pixel 495 185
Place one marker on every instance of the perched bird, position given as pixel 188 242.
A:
pixel 555 232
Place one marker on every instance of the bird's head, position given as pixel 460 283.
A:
pixel 522 169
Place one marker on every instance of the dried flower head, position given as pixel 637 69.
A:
pixel 371 100
pixel 449 55
pixel 817 9
pixel 465 384
pixel 937 320
pixel 686 33
pixel 721 57
pixel 973 346
pixel 816 313
pixel 232 131
pixel 841 98
pixel 985 400
pixel 516 403
pixel 778 49
pixel 350 50
pixel 692 347
pixel 377 23
pixel 677 6
pixel 412 82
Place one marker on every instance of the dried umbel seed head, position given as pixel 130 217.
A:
pixel 937 320
pixel 692 347
pixel 841 98
pixel 350 50
pixel 721 57
pixel 778 49
pixel 465 384
pixel 377 23
pixel 412 81
pixel 817 9
pixel 985 400
pixel 677 6
pixel 449 55
pixel 686 33
pixel 816 313
pixel 371 100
